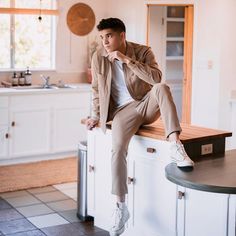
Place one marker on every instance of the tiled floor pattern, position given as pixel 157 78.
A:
pixel 44 211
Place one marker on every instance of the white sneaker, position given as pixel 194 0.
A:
pixel 121 216
pixel 179 155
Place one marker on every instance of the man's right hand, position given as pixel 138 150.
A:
pixel 91 123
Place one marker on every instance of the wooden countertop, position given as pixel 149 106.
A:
pixel 216 175
pixel 190 133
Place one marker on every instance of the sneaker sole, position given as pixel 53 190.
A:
pixel 117 233
pixel 121 231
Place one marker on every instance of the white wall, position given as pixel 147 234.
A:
pixel 227 61
pixel 72 49
pixel 214 45
pixel 205 94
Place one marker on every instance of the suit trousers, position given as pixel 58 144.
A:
pixel 126 121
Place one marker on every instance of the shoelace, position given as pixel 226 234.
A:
pixel 118 216
pixel 180 148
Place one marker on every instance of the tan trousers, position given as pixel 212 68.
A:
pixel 126 122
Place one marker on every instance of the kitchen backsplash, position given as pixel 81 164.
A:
pixel 80 77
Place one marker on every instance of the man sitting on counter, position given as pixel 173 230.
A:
pixel 127 89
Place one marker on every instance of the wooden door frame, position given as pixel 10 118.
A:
pixel 188 56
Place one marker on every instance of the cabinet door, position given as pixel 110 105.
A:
pixel 152 201
pixel 91 173
pixel 3 142
pixel 202 213
pixel 67 129
pixel 4 127
pixel 29 132
pixel 104 200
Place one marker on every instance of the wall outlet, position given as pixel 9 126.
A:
pixel 207 149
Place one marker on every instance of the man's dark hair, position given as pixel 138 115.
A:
pixel 111 23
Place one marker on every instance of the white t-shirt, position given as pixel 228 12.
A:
pixel 119 91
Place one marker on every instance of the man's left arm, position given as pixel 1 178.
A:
pixel 147 70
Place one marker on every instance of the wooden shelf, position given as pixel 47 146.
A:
pixel 173 58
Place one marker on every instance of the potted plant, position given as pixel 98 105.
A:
pixel 92 47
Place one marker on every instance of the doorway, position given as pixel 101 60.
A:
pixel 170 35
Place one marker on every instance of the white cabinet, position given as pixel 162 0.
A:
pixel 42 125
pixel 205 213
pixel 30 132
pixel 4 135
pixel 149 191
pixel 29 125
pixel 100 200
pixel 3 141
pixel 156 205
pixel 68 112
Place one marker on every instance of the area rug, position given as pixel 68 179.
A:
pixel 37 174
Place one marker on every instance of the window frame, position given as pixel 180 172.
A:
pixel 12 11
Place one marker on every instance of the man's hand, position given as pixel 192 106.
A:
pixel 91 123
pixel 119 56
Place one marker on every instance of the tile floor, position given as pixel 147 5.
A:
pixel 44 211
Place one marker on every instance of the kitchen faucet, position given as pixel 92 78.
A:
pixel 46 81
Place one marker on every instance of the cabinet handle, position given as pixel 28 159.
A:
pixel 91 168
pixel 130 180
pixel 13 123
pixel 151 150
pixel 6 135
pixel 180 194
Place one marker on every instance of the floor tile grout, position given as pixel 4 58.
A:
pixel 68 218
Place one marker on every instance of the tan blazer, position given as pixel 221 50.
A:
pixel 140 75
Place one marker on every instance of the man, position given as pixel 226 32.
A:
pixel 127 90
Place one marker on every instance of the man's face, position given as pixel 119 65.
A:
pixel 112 40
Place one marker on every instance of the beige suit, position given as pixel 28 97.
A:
pixel 151 99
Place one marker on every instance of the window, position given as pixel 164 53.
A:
pixel 26 41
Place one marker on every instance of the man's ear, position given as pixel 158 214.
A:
pixel 122 35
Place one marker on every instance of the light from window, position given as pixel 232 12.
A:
pixel 46 4
pixel 5 41
pixel 26 42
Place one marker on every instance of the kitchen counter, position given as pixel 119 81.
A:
pixel 193 137
pixel 31 90
pixel 189 133
pixel 217 175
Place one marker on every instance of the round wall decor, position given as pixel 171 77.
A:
pixel 80 19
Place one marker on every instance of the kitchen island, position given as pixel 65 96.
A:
pixel 206 195
pixel 152 199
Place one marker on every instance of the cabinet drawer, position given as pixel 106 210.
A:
pixel 3 102
pixel 150 148
pixel 3 116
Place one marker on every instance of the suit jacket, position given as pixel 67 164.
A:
pixel 140 75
